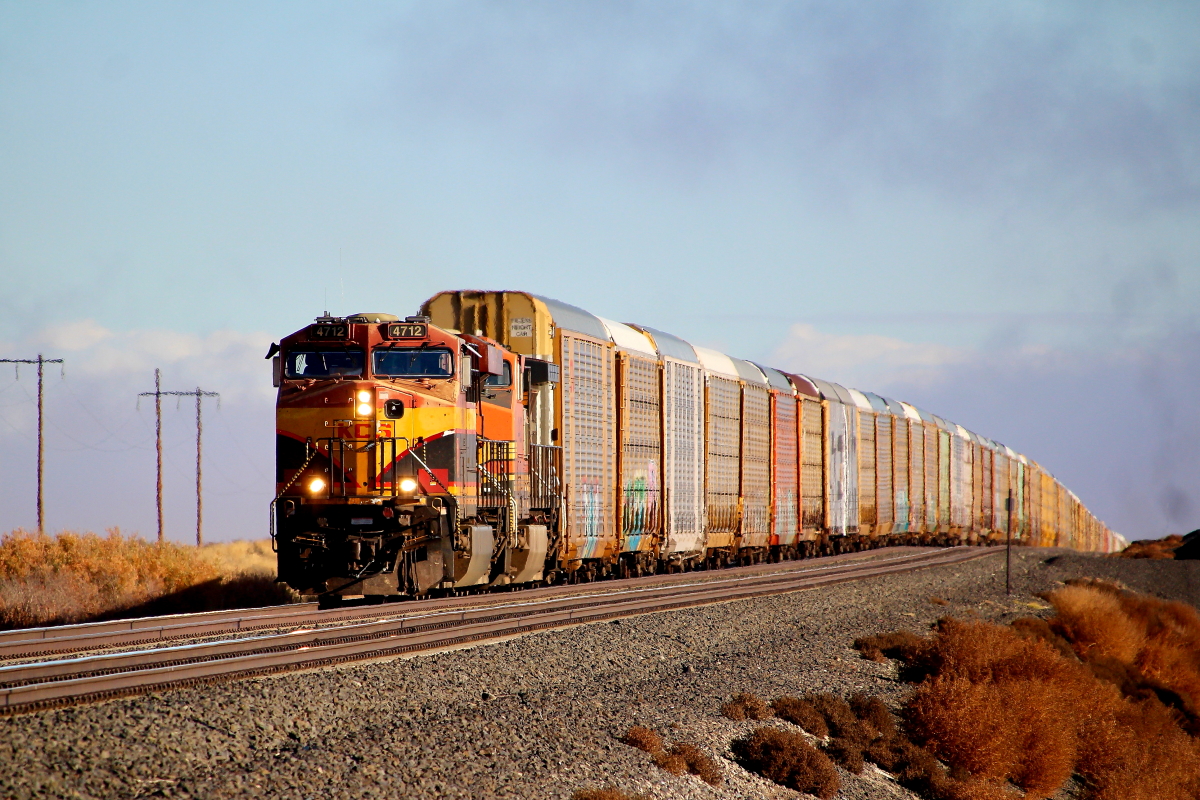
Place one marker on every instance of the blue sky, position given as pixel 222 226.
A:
pixel 990 209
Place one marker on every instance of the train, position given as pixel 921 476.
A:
pixel 505 439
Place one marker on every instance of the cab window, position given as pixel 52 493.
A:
pixel 412 362
pixel 312 363
pixel 502 380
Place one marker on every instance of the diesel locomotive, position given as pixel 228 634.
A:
pixel 506 439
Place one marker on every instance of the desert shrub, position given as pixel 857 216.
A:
pixel 72 577
pixel 643 739
pixel 905 646
pixel 789 760
pixel 1156 548
pixel 873 712
pixel 838 717
pixel 847 752
pixel 607 793
pixel 1107 688
pixel 679 759
pixel 746 706
pixel 695 762
pixel 241 557
pixel 802 713
pixel 1147 647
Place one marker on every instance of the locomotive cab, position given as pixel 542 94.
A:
pixel 396 453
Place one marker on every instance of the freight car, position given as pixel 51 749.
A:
pixel 505 439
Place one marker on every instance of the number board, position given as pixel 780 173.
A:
pixel 326 332
pixel 407 330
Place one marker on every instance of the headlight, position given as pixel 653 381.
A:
pixel 408 485
pixel 316 485
pixel 364 396
pixel 365 409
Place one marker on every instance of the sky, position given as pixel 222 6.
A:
pixel 987 209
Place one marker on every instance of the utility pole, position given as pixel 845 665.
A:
pixel 157 395
pixel 41 447
pixel 199 394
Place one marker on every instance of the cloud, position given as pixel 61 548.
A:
pixel 1116 423
pixel 864 360
pixel 1097 104
pixel 227 361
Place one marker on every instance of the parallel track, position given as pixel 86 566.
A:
pixel 377 632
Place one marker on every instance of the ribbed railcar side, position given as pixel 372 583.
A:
pixel 960 482
pixel 1002 486
pixel 785 477
pixel 988 494
pixel 932 499
pixel 812 469
pixel 640 452
pixel 884 499
pixel 977 529
pixel 1022 501
pixel 587 426
pixel 916 469
pixel 840 421
pixel 755 479
pixel 684 444
pixel 868 509
pixel 722 427
pixel 902 509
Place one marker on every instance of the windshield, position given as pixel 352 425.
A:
pixel 324 363
pixel 501 380
pixel 412 362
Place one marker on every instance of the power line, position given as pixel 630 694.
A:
pixel 41 444
pixel 158 395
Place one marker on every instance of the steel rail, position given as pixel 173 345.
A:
pixel 114 662
pixel 47 641
pixel 27 687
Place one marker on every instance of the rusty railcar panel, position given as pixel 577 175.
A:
pixel 785 469
pixel 943 472
pixel 1000 473
pixel 812 468
pixel 960 481
pixel 867 516
pixel 902 510
pixel 977 522
pixel 640 452
pixel 916 472
pixel 722 471
pixel 1048 501
pixel 755 476
pixel 988 493
pixel 884 501
pixel 1022 502
pixel 587 428
pixel 932 498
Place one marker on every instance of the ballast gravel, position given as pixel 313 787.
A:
pixel 538 715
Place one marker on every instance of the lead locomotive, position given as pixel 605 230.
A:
pixel 402 461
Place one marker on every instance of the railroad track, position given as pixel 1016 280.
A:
pixel 369 632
